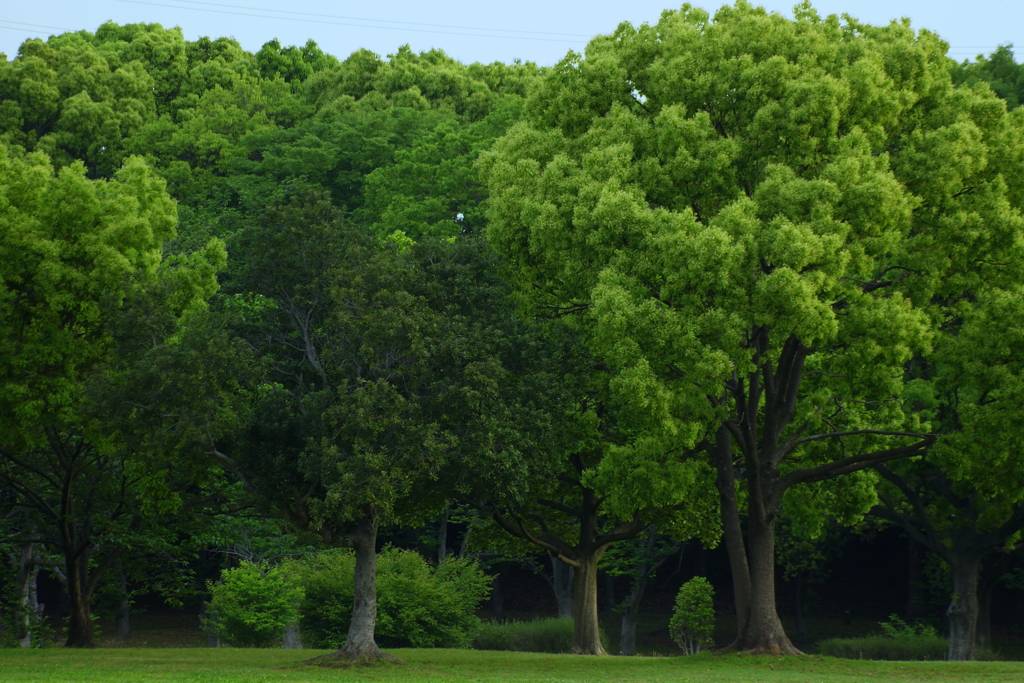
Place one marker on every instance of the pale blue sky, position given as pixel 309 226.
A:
pixel 537 30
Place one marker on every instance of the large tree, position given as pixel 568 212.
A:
pixel 759 221
pixel 965 501
pixel 76 256
pixel 378 374
pixel 564 498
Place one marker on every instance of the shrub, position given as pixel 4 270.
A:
pixel 907 648
pixel 540 635
pixel 693 619
pixel 418 604
pixel 899 641
pixel 899 629
pixel 252 604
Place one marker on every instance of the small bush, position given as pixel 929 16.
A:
pixel 899 641
pixel 251 605
pixel 540 635
pixel 693 619
pixel 897 628
pixel 920 648
pixel 418 605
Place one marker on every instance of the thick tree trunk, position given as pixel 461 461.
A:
pixel 963 610
pixel 732 530
pixel 80 631
pixel 360 645
pixel 586 637
pixel 562 581
pixel 360 642
pixel 123 610
pixel 764 630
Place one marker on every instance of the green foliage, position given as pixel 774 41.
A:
pixel 418 605
pixel 899 641
pixel 251 604
pixel 540 635
pixel 693 616
pixel 999 70
pixel 921 648
pixel 712 197
pixel 895 627
pixel 70 249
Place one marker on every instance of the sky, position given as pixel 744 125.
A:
pixel 541 31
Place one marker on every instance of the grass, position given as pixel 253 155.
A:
pixel 195 665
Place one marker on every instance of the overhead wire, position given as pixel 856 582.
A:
pixel 337 23
pixel 22 23
pixel 384 21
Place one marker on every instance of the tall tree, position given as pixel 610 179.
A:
pixel 388 368
pixel 965 502
pixel 73 251
pixel 758 222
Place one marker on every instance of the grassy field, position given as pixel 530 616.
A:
pixel 197 665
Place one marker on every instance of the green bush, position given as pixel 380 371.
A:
pixel 899 641
pixel 908 648
pixel 693 619
pixel 540 635
pixel 251 605
pixel 418 604
pixel 899 629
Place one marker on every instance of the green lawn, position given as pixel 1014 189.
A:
pixel 256 666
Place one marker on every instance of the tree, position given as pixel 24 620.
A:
pixel 639 560
pixel 378 371
pixel 999 70
pixel 758 222
pixel 72 252
pixel 965 501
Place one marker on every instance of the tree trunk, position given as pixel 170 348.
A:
pixel 31 614
pixel 963 610
pixel 360 645
pixel 123 610
pixel 80 632
pixel 497 600
pixel 562 580
pixel 290 639
pixel 630 610
pixel 764 631
pixel 733 532
pixel 586 636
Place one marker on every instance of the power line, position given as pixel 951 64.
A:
pixel 383 21
pixel 22 23
pixel 22 30
pixel 337 23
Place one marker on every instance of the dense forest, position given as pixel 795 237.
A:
pixel 735 297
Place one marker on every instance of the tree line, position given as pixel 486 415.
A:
pixel 714 274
